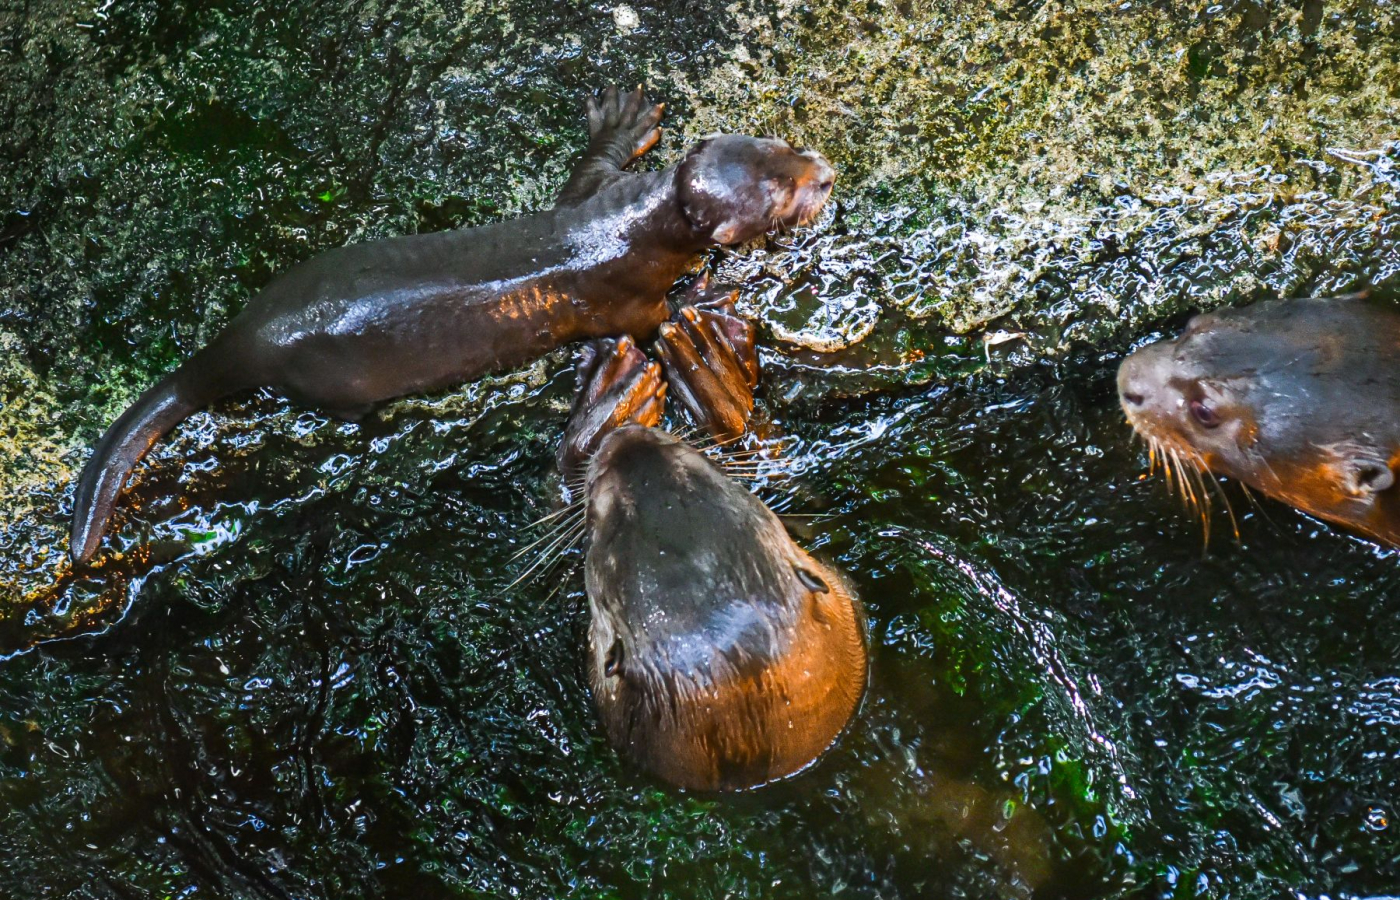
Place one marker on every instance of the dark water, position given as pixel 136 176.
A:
pixel 306 676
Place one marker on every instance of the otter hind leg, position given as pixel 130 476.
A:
pixel 711 362
pixel 618 386
pixel 621 127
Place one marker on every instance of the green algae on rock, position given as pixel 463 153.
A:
pixel 1072 171
pixel 315 685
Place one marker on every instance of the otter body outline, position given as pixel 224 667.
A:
pixel 362 324
pixel 721 655
pixel 1299 399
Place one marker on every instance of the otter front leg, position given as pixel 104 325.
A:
pixel 710 361
pixel 618 386
pixel 620 129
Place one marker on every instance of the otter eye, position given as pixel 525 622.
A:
pixel 1207 417
pixel 612 663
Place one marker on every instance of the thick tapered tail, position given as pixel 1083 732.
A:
pixel 158 410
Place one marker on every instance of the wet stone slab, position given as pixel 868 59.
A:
pixel 307 677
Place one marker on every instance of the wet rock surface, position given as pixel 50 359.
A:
pixel 304 674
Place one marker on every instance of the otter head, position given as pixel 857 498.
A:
pixel 1300 399
pixel 721 655
pixel 733 188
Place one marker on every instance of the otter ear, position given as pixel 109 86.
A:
pixel 1366 476
pixel 709 203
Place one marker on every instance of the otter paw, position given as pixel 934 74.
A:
pixel 710 360
pixel 623 126
pixel 617 385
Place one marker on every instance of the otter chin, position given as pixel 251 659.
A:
pixel 1299 399
pixel 721 655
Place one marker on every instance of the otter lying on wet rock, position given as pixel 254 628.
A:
pixel 1299 399
pixel 362 324
pixel 721 655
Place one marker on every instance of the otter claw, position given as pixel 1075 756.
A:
pixel 623 126
pixel 710 361
pixel 618 386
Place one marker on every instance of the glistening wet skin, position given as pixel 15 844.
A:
pixel 317 688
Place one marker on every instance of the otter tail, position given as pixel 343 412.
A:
pixel 192 386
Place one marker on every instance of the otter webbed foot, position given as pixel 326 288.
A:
pixel 710 360
pixel 617 385
pixel 621 127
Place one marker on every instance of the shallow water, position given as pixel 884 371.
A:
pixel 306 676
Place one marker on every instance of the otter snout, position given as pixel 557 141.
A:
pixel 815 187
pixel 633 472
pixel 1142 383
pixel 627 453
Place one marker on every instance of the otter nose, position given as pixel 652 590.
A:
pixel 823 175
pixel 1131 391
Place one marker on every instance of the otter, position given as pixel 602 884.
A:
pixel 1297 398
pixel 721 656
pixel 362 324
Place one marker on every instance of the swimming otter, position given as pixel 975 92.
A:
pixel 1298 398
pixel 359 325
pixel 721 656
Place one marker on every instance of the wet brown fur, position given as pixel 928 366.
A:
pixel 1301 401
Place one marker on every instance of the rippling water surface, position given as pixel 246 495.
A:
pixel 304 673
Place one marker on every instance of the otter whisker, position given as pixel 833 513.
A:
pixel 1167 470
pixel 565 525
pixel 552 553
pixel 544 566
pixel 755 464
pixel 542 562
pixel 576 477
pixel 559 584
pixel 762 468
pixel 1188 495
pixel 816 516
pixel 749 459
pixel 562 525
pixel 715 444
pixel 1268 467
pixel 564 510
pixel 1258 506
pixel 774 447
pixel 1182 486
pixel 1192 474
pixel 748 451
pixel 757 479
pixel 773 466
pixel 762 465
pixel 1203 507
pixel 1225 498
pixel 1186 475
